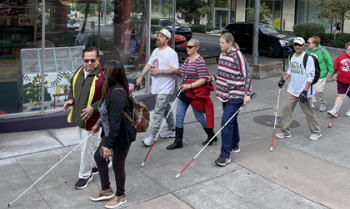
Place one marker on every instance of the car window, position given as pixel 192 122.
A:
pixel 268 29
pixel 232 26
pixel 241 27
pixel 250 28
pixel 166 22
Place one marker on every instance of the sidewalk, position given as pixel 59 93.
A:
pixel 299 173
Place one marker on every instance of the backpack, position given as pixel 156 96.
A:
pixel 140 118
pixel 317 67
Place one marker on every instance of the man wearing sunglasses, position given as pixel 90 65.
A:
pixel 84 95
pixel 162 65
pixel 299 91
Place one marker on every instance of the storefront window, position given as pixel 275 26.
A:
pixel 233 11
pixel 119 31
pixel 308 10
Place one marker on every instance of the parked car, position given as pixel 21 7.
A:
pixel 180 41
pixel 168 24
pixel 271 40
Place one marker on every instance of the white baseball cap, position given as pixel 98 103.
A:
pixel 299 40
pixel 164 32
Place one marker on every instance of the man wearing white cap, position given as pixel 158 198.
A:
pixel 163 65
pixel 299 91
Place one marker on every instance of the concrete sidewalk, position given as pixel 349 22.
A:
pixel 299 173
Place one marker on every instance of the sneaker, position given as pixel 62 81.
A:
pixel 332 112
pixel 323 106
pixel 315 137
pixel 168 134
pixel 83 183
pixel 348 113
pixel 222 161
pixel 235 150
pixel 116 201
pixel 148 140
pixel 102 195
pixel 281 136
pixel 94 170
pixel 313 108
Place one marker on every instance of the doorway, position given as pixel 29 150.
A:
pixel 221 18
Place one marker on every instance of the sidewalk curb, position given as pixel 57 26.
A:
pixel 206 34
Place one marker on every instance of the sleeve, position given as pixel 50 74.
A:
pixel 116 105
pixel 95 106
pixel 329 61
pixel 245 73
pixel 214 76
pixel 99 122
pixel 310 69
pixel 201 69
pixel 290 61
pixel 175 61
pixel 150 61
pixel 336 65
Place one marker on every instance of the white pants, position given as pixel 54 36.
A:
pixel 88 149
pixel 319 89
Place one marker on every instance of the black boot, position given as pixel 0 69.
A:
pixel 178 139
pixel 210 132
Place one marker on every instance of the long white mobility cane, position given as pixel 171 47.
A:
pixel 49 171
pixel 251 97
pixel 274 125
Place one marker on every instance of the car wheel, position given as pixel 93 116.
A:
pixel 273 50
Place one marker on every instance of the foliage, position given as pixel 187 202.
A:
pixel 265 13
pixel 341 40
pixel 32 91
pixel 104 43
pixel 192 9
pixel 200 28
pixel 307 30
pixel 334 10
pixel 181 49
pixel 80 7
pixel 109 6
pixel 165 9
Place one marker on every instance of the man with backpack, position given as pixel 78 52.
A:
pixel 303 75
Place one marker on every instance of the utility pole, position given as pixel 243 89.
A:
pixel 256 32
pixel 105 12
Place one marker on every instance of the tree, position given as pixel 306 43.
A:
pixel 265 14
pixel 109 6
pixel 334 10
pixel 192 9
pixel 87 10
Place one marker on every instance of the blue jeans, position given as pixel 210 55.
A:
pixel 181 109
pixel 230 134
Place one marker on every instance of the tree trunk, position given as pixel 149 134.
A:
pixel 85 17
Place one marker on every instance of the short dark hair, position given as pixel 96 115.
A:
pixel 90 49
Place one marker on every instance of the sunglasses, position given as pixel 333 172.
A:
pixel 190 47
pixel 90 60
pixel 296 44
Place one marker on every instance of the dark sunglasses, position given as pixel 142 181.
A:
pixel 90 60
pixel 190 47
pixel 296 44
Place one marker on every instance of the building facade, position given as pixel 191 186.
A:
pixel 284 13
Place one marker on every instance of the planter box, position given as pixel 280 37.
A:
pixel 267 70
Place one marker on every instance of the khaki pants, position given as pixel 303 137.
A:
pixel 319 89
pixel 287 115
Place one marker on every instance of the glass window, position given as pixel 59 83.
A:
pixel 119 30
pixel 233 11
pixel 274 18
pixel 308 11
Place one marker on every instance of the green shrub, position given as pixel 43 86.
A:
pixel 200 28
pixel 307 30
pixel 340 40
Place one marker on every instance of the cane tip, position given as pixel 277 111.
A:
pixel 271 149
pixel 142 164
pixel 9 205
pixel 178 175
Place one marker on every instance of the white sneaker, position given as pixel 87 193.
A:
pixel 315 137
pixel 348 113
pixel 281 136
pixel 323 106
pixel 148 140
pixel 332 112
pixel 168 134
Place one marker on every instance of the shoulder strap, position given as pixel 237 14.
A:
pixel 126 114
pixel 322 53
pixel 306 56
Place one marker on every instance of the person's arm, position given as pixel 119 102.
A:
pixel 116 105
pixel 310 72
pixel 329 61
pixel 336 65
pixel 193 85
pixel 246 74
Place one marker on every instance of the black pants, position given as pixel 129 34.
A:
pixel 119 158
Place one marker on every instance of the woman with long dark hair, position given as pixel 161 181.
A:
pixel 118 133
